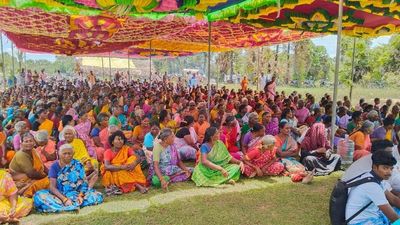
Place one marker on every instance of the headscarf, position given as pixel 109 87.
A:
pixel 315 138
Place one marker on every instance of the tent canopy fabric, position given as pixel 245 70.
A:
pixel 180 27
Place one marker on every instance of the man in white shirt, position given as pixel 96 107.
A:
pixel 380 210
pixel 262 80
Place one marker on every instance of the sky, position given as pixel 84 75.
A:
pixel 329 42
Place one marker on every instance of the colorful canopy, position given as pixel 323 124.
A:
pixel 180 27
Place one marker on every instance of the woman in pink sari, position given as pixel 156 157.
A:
pixel 269 89
pixel 316 150
pixel 83 130
pixel 186 140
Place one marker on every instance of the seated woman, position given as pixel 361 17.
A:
pixel 261 159
pixel 362 141
pixel 101 126
pixel 229 137
pixel 46 148
pixel 69 189
pixel 27 170
pixel 140 131
pixel 20 128
pixel 185 140
pixel 83 132
pixel 270 123
pixel 68 136
pixel 216 165
pixel 386 131
pixel 6 155
pixel 12 207
pixel 121 170
pixel 287 149
pixel 316 152
pixel 166 120
pixel 253 137
pixel 166 166
pixel 42 122
pixel 201 126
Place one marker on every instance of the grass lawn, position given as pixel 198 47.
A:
pixel 278 202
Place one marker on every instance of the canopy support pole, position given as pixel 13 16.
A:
pixel 109 64
pixel 337 64
pixel 13 62
pixel 150 61
pixel 352 69
pixel 209 69
pixel 129 69
pixel 3 67
pixel 288 65
pixel 102 67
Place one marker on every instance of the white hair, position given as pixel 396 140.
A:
pixel 19 125
pixel 64 147
pixel 68 127
pixel 268 140
pixel 41 136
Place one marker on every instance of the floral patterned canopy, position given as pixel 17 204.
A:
pixel 180 27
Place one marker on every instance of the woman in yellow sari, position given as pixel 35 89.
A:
pixel 166 121
pixel 27 169
pixel 12 207
pixel 42 122
pixel 68 136
pixel 121 170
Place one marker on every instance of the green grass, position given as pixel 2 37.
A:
pixel 280 202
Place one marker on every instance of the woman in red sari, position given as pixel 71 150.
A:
pixel 261 159
pixel 229 136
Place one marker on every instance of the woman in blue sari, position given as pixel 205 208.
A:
pixel 69 189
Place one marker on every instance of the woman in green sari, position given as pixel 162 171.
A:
pixel 216 165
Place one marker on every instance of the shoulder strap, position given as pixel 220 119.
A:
pixel 355 178
pixel 361 181
pixel 358 213
pixel 356 183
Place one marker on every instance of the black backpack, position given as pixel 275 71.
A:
pixel 338 200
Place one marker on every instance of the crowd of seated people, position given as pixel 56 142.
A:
pixel 59 138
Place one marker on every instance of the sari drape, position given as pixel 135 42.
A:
pixel 48 126
pixel 71 182
pixel 266 160
pixel 8 188
pixel 27 186
pixel 81 154
pixel 123 179
pixel 219 155
pixel 168 165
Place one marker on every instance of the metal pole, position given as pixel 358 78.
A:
pixel 129 68
pixel 150 62
pixel 352 69
pixel 276 58
pixel 3 67
pixel 288 64
pixel 102 67
pixel 209 69
pixel 337 64
pixel 109 64
pixel 13 62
